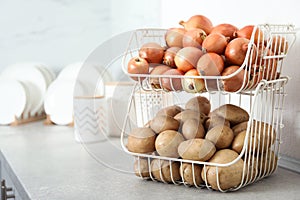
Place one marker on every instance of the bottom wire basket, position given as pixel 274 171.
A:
pixel 171 155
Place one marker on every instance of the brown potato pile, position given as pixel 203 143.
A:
pixel 197 133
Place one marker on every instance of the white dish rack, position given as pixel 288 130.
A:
pixel 262 98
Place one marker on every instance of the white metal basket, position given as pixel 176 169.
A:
pixel 264 104
pixel 261 95
pixel 258 65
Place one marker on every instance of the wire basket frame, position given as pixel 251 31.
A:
pixel 268 46
pixel 259 153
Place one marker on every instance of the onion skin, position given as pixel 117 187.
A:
pixel 172 84
pixel 198 21
pixel 187 58
pixel 236 50
pixel 210 64
pixel 228 30
pixel 216 43
pixel 174 37
pixel 194 38
pixel 169 56
pixel 236 82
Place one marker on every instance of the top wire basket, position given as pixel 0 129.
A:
pixel 268 47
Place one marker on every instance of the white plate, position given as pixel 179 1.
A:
pixel 70 72
pixel 59 101
pixel 32 101
pixel 27 72
pixel 48 73
pixel 12 101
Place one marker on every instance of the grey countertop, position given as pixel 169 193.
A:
pixel 50 164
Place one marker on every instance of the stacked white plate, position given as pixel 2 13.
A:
pixel 58 101
pixel 22 89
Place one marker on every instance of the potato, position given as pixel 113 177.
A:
pixel 161 170
pixel 170 111
pixel 230 176
pixel 192 128
pixel 200 104
pixel 238 142
pixel 215 120
pixel 164 122
pixel 190 114
pixel 251 170
pixel 196 149
pixel 267 163
pixel 221 136
pixel 261 140
pixel 141 140
pixel 234 114
pixel 141 168
pixel 260 166
pixel 265 135
pixel 239 128
pixel 167 143
pixel 191 175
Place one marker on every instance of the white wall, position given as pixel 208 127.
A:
pixel 59 32
pixel 240 13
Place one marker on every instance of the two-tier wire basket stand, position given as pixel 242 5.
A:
pixel 262 97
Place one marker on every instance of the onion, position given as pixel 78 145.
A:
pixel 193 38
pixel 270 73
pixel 279 45
pixel 236 50
pixel 215 42
pixel 172 84
pixel 174 37
pixel 267 65
pixel 193 85
pixel 137 65
pixel 246 32
pixel 210 64
pixel 198 21
pixel 236 82
pixel 158 70
pixel 152 52
pixel 256 76
pixel 228 30
pixel 169 56
pixel 187 57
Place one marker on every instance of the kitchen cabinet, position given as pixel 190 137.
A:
pixel 9 190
